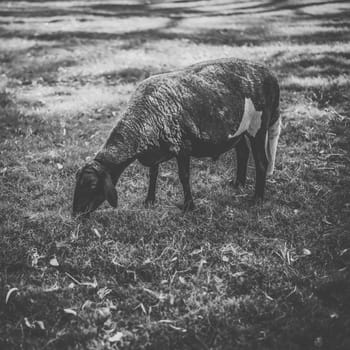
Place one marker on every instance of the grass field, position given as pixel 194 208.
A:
pixel 226 276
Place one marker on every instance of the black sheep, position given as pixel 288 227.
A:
pixel 201 111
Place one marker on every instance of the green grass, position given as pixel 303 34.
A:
pixel 227 275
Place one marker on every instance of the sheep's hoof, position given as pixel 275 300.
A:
pixel 236 184
pixel 256 201
pixel 186 207
pixel 238 187
pixel 149 202
pixel 189 206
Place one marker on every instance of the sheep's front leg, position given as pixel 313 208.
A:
pixel 242 152
pixel 183 162
pixel 261 162
pixel 151 195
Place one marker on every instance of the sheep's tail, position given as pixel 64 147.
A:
pixel 271 143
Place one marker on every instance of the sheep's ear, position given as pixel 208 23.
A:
pixel 110 192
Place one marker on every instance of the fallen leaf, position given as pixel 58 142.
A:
pixel 225 258
pixel 238 274
pixel 12 290
pixel 200 266
pixel 267 296
pixel 142 307
pixel 342 252
pixel 306 251
pixel 27 322
pixel 59 166
pixel 95 230
pixel 34 324
pixel 178 328
pixel 87 304
pixel 325 221
pixel 103 292
pixel 52 288
pixel 218 279
pixel 166 174
pixel 166 321
pixel 196 251
pixel 54 262
pixel 93 284
pixel 182 280
pixel 318 342
pixel 40 324
pixel 116 337
pixel 35 257
pixel 160 296
pixel 70 312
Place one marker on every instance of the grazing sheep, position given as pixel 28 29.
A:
pixel 201 111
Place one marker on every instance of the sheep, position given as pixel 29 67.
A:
pixel 202 110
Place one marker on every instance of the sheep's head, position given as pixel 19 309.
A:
pixel 93 186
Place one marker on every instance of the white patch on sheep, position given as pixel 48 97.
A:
pixel 273 135
pixel 251 120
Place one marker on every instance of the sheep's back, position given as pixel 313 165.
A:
pixel 207 99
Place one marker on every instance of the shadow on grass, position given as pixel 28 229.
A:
pixel 254 33
pixel 327 63
pixel 158 8
pixel 10 118
pixel 211 36
pixel 129 75
pixel 14 124
pixel 46 71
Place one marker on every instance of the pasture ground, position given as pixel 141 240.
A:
pixel 228 275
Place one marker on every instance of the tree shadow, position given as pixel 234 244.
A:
pixel 13 123
pixel 311 65
pixel 256 30
pixel 230 37
pixel 46 72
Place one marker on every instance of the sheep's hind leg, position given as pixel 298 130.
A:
pixel 183 162
pixel 242 152
pixel 151 195
pixel 261 163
